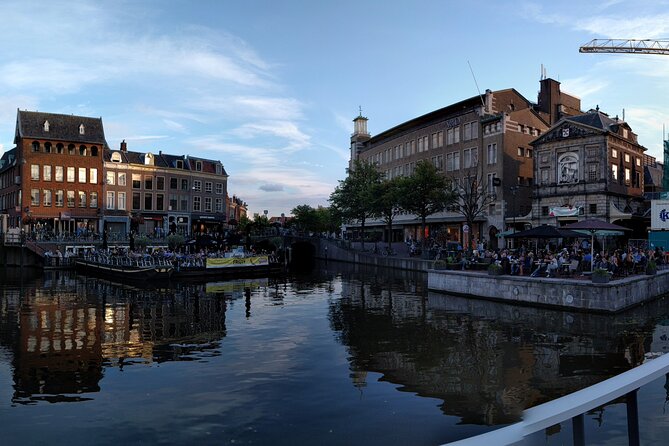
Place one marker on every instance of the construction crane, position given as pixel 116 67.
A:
pixel 633 46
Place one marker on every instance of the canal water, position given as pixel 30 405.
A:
pixel 342 354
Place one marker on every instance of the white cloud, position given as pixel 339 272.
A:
pixel 271 187
pixel 281 129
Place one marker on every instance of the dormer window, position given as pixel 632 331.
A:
pixel 116 157
pixel 82 129
pixel 46 126
pixel 180 164
pixel 148 159
pixel 198 166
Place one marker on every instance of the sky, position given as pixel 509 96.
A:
pixel 270 87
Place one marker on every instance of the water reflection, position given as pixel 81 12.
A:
pixel 65 329
pixel 487 361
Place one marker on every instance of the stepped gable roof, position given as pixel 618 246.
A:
pixel 61 127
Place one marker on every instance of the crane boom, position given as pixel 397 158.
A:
pixel 637 46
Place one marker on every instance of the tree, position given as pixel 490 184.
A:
pixel 328 219
pixel 306 218
pixel 388 201
pixel 425 192
pixel 353 198
pixel 473 197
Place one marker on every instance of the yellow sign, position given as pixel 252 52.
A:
pixel 234 262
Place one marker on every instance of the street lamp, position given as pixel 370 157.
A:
pixel 513 190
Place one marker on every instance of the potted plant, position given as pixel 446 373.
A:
pixel 495 270
pixel 440 264
pixel 651 267
pixel 600 275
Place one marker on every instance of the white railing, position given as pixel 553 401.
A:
pixel 574 405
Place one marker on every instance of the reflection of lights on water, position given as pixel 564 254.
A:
pixel 109 315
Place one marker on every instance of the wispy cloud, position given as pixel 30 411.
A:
pixel 271 187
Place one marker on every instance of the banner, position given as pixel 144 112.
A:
pixel 659 214
pixel 234 262
pixel 567 211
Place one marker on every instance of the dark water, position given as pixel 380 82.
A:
pixel 343 355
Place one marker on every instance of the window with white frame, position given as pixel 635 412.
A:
pixel 34 172
pixel 614 172
pixel 219 205
pixel 34 197
pixel 47 197
pixel 627 157
pixel 111 200
pixel 122 179
pixel 197 185
pixel 94 200
pixel 614 153
pixel 59 198
pixel 219 188
pixel 208 187
pixel 46 173
pixel 111 178
pixel 207 204
pixel 82 174
pixel 59 173
pixel 70 174
pixel 70 198
pixel 470 157
pixel 492 153
pixel 121 201
pixel 491 183
pixel 82 199
pixel 197 204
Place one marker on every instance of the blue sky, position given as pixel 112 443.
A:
pixel 270 87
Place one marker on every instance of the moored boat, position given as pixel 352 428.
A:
pixel 125 268
pixel 227 266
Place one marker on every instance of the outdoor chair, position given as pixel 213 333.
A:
pixel 573 267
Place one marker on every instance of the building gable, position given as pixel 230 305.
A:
pixel 566 129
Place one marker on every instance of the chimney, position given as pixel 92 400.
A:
pixel 124 146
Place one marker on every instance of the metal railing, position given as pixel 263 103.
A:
pixel 575 405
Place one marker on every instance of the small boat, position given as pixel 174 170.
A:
pixel 227 266
pixel 125 268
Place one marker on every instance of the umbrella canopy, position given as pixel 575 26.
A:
pixel 594 225
pixel 545 231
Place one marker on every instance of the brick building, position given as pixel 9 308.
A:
pixel 52 180
pixel 484 136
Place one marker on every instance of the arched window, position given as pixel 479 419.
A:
pixel 59 148
pixel 148 159
pixel 82 129
pixel 568 168
pixel 46 126
pixel 70 149
pixel 94 151
pixel 82 150
pixel 47 147
pixel 116 157
pixel 35 146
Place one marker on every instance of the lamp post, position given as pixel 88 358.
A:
pixel 513 190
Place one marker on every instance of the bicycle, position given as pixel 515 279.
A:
pixel 388 252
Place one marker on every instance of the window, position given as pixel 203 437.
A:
pixel 627 157
pixel 82 199
pixel 35 146
pixel 160 183
pixel 46 173
pixel 136 200
pixel 148 201
pixel 47 147
pixel 219 169
pixel 34 197
pixel 160 202
pixel 196 204
pixel 111 178
pixel 111 200
pixel 59 148
pixel 628 176
pixel 420 145
pixel 82 129
pixel 219 205
pixel 47 197
pixel 121 201
pixel 46 126
pixel 521 151
pixel 491 183
pixel 70 149
pixel 449 137
pixel 82 150
pixel 94 200
pixel 208 187
pixel 614 153
pixel 614 172
pixel 82 174
pixel 219 188
pixel 592 172
pixel 198 166
pixel 70 198
pixel 116 157
pixel 173 202
pixel 173 183
pixel 70 174
pixel 207 204
pixel 470 158
pixel 94 151
pixel 544 211
pixel 93 175
pixel 637 161
pixel 180 164
pixel 593 208
pixel 197 185
pixel 452 161
pixel 528 152
pixel 184 203
pixel 122 179
pixel 492 153
pixel 456 134
pixel 59 173
pixel 148 182
pixel 136 181
pixel 184 184
pixel 34 172
pixel 59 198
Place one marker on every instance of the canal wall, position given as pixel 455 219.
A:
pixel 18 256
pixel 332 250
pixel 571 294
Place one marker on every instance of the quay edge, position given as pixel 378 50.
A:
pixel 612 297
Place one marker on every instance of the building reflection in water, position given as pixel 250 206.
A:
pixel 63 330
pixel 486 361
